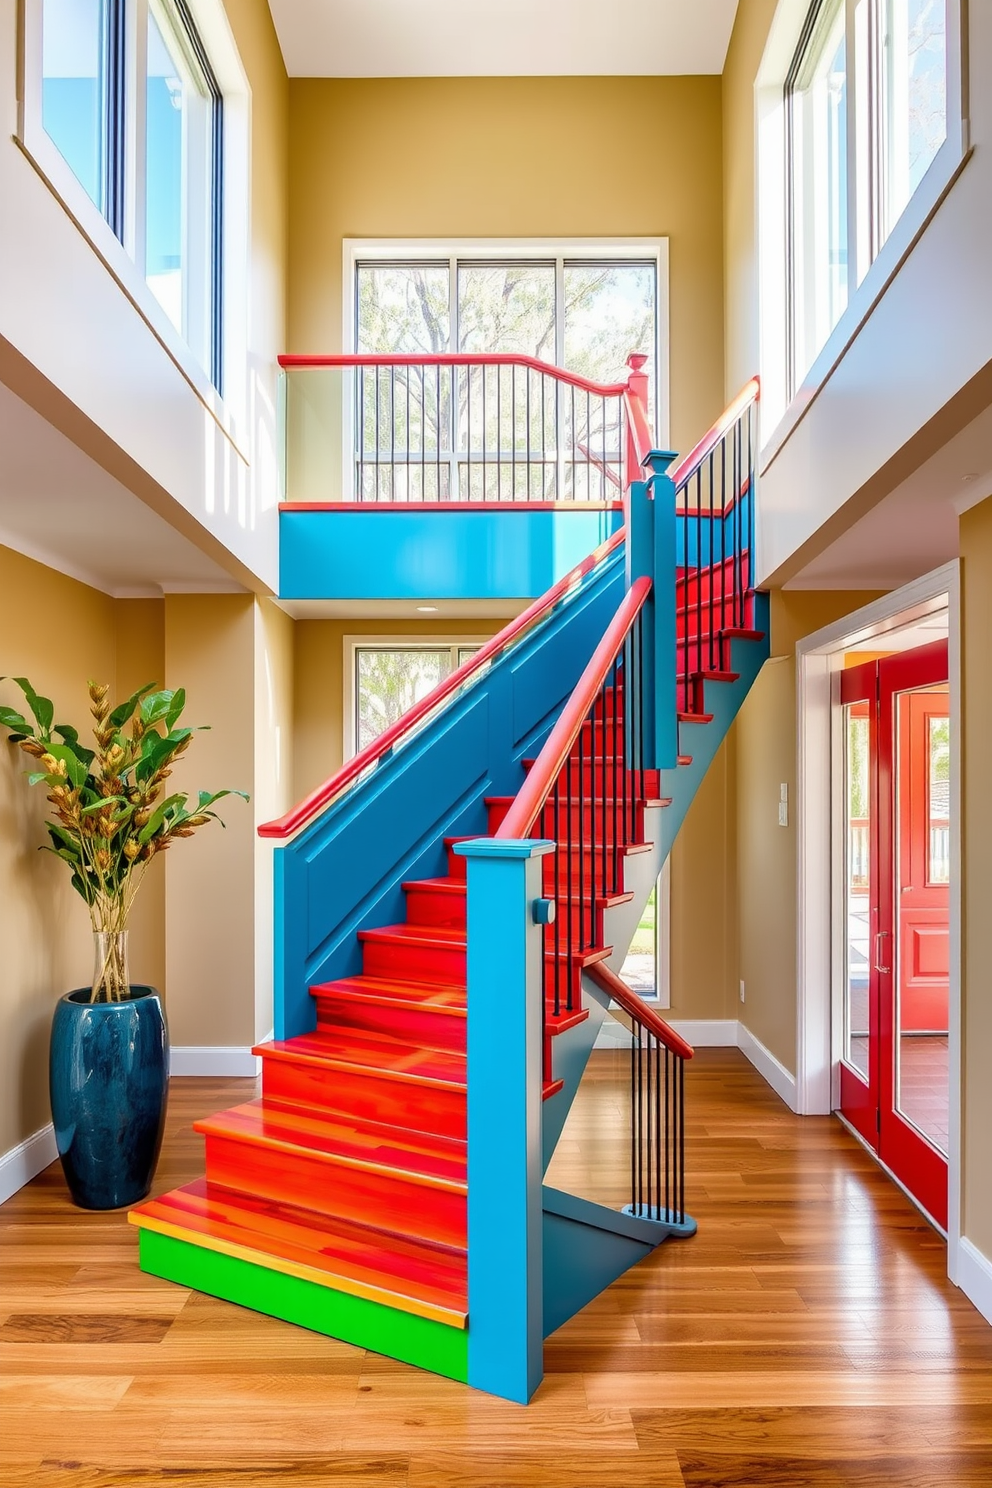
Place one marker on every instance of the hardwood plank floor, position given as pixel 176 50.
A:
pixel 807 1337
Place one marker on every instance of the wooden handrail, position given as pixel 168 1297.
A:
pixel 319 799
pixel 688 466
pixel 534 792
pixel 293 362
pixel 641 1012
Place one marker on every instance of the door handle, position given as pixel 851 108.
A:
pixel 879 936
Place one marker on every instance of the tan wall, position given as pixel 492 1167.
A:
pixel 58 633
pixel 765 732
pixel 210 892
pixel 976 875
pixel 740 268
pixel 274 768
pixel 704 897
pixel 318 713
pixel 515 157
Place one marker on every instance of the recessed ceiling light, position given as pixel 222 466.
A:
pixel 972 475
pixel 427 609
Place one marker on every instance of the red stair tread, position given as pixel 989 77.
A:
pixel 441 997
pixel 339 1249
pixel 446 885
pixel 371 1052
pixel 447 936
pixel 437 1161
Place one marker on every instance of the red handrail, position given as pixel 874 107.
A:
pixel 316 801
pixel 641 1012
pixel 688 466
pixel 295 361
pixel 534 791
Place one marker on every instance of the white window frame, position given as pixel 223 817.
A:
pixel 125 260
pixel 781 413
pixel 356 250
pixel 411 642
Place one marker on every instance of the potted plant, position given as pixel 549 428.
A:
pixel 111 817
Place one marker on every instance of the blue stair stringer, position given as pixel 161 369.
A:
pixel 344 873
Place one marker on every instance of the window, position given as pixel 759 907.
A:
pixel 182 180
pixel 817 121
pixel 389 679
pixel 912 83
pixel 113 71
pixel 586 315
pixel 866 115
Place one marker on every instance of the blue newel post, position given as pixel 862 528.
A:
pixel 505 1082
pixel 651 552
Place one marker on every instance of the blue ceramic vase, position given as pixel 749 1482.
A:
pixel 108 1079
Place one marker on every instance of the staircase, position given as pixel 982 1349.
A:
pixel 447 907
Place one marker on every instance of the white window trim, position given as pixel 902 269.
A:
pixel 770 208
pixel 819 1034
pixel 230 411
pixel 410 641
pixel 355 250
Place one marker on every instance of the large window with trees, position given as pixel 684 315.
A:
pixel 584 314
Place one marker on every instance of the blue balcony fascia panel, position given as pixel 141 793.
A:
pixel 397 553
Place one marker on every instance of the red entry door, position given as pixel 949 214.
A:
pixel 894 1087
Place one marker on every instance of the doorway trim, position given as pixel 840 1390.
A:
pixel 816 861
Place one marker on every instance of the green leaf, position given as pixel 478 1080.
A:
pixel 207 798
pixel 103 802
pixel 155 707
pixel 76 771
pixel 123 711
pixel 176 707
pixel 43 708
pixel 37 776
pixel 70 737
pixel 167 809
pixel 59 834
pixel 10 718
pixel 157 750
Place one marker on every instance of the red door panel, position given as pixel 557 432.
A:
pixel 893 1072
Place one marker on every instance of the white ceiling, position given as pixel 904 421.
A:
pixel 502 38
pixel 914 529
pixel 60 507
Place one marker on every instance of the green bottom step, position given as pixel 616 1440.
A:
pixel 385 1330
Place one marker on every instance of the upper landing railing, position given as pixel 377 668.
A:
pixel 458 430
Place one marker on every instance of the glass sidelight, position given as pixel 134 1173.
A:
pixel 856 884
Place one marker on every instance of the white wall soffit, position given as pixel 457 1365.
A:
pixel 61 508
pixel 502 38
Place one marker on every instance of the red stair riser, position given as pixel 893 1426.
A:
pixel 418 1026
pixel 384 1200
pixel 427 906
pixel 407 961
pixel 367 1095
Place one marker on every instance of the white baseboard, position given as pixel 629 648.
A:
pixel 975 1276
pixel 701 1033
pixel 26 1161
pixel 769 1068
pixel 706 1033
pixel 220 1060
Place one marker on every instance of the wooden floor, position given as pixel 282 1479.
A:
pixel 806 1336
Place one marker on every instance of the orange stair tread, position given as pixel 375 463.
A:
pixel 372 1053
pixel 340 1252
pixel 434 1160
